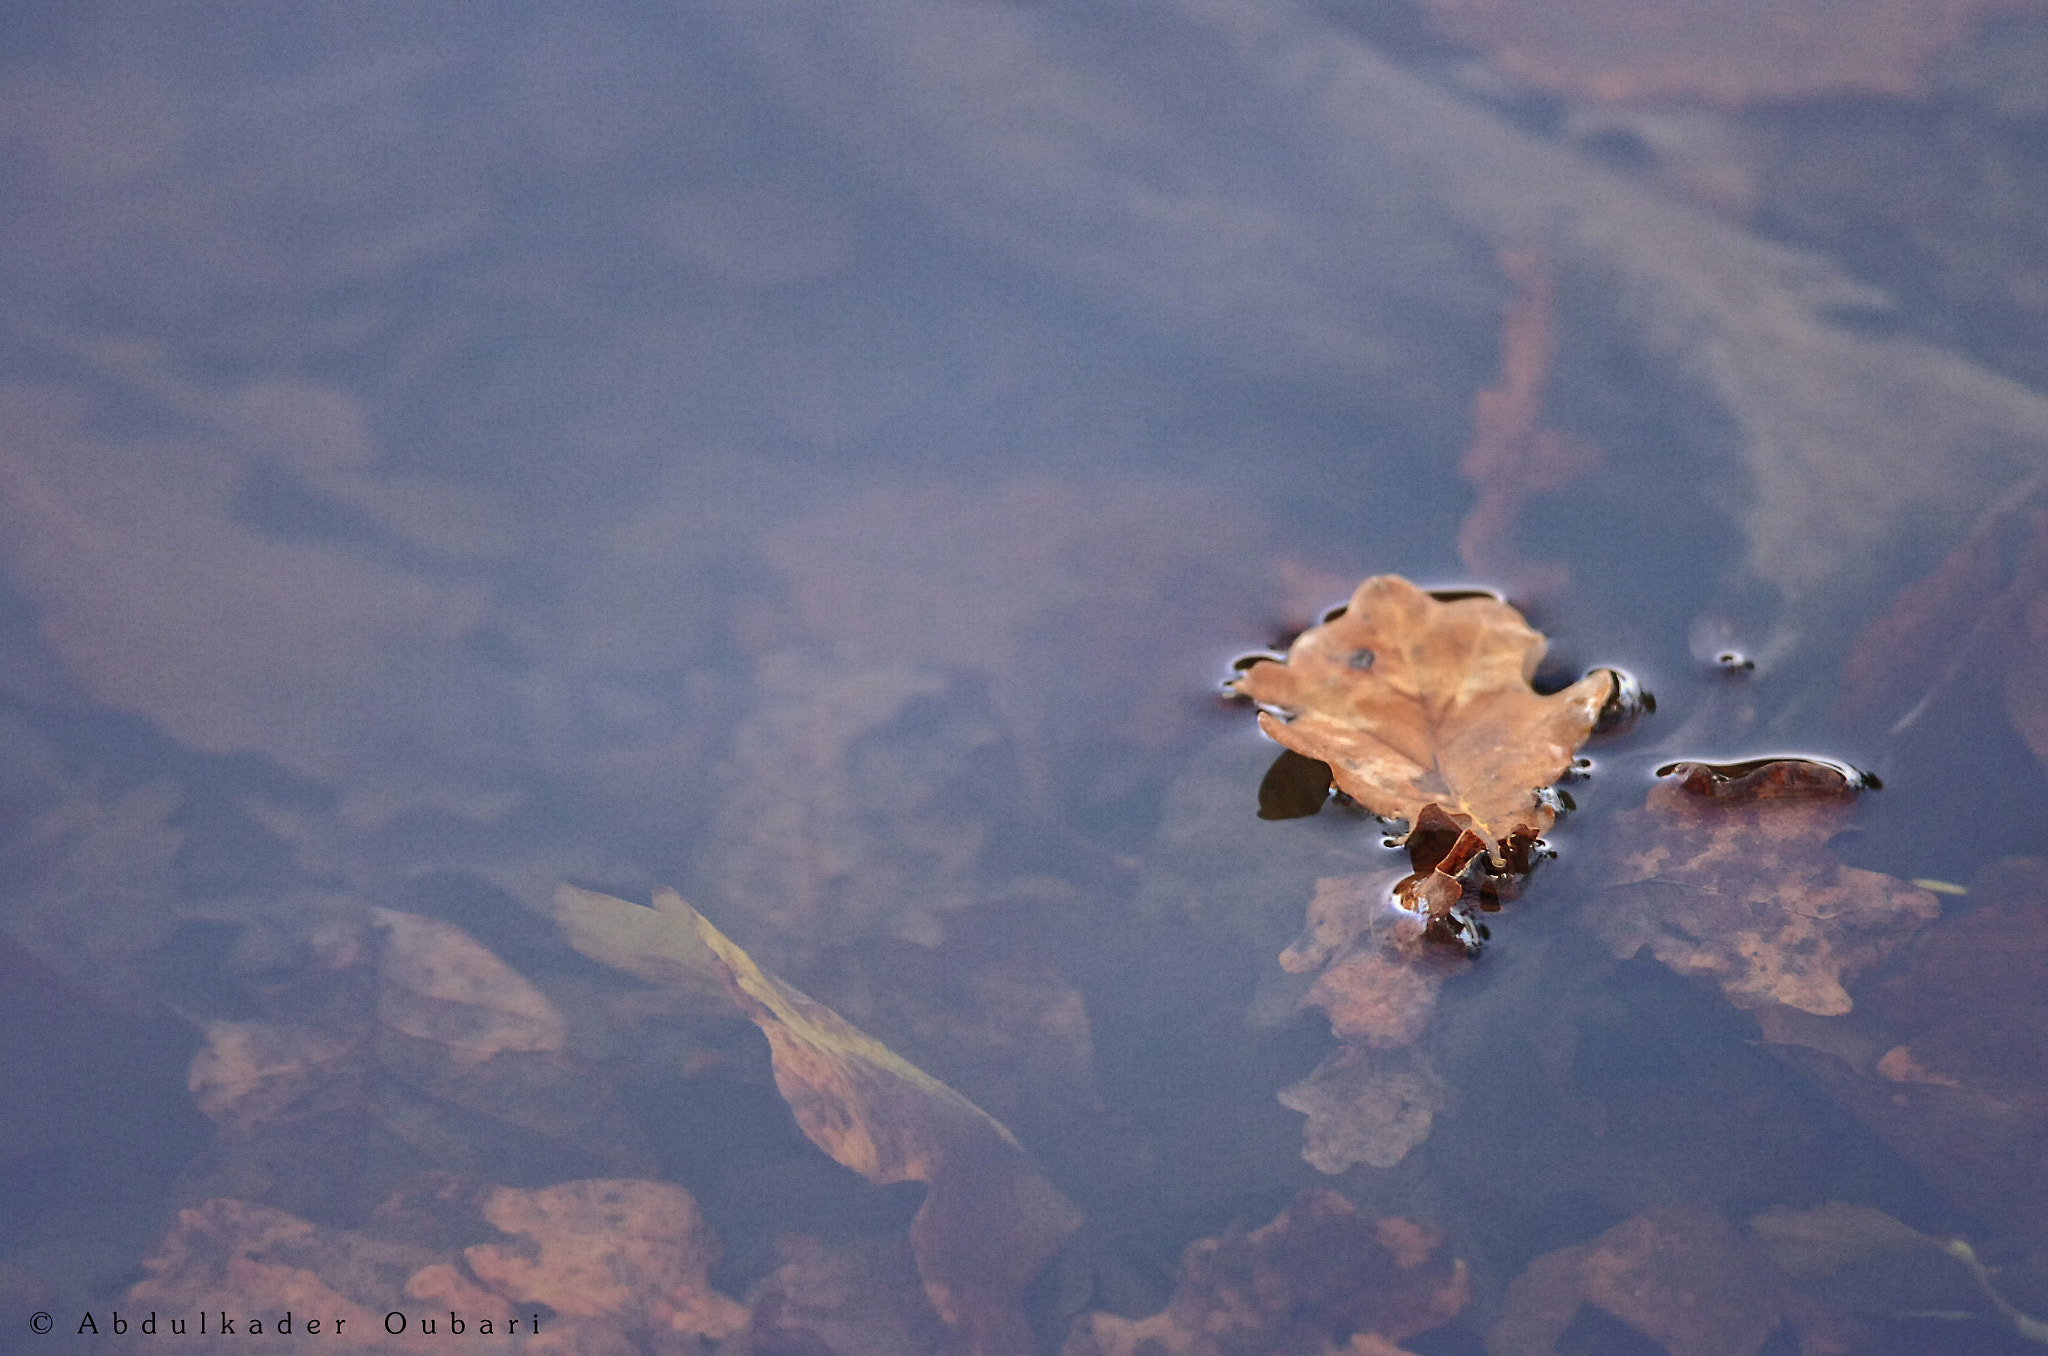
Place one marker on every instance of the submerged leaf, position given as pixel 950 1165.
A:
pixel 990 1219
pixel 855 1297
pixel 1319 1280
pixel 645 943
pixel 635 1252
pixel 1742 889
pixel 414 1039
pixel 248 1259
pixel 1365 1106
pixel 1868 1263
pixel 1947 1056
pixel 91 883
pixel 1416 702
pixel 1681 1277
pixel 620 1267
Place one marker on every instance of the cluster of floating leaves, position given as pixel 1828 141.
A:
pixel 1422 710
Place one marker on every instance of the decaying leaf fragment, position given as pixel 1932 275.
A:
pixel 990 1219
pixel 1730 878
pixel 1416 702
pixel 1320 1280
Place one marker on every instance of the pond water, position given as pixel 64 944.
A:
pixel 826 460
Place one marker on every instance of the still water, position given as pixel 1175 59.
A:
pixel 826 460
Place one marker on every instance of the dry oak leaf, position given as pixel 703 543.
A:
pixel 1414 701
pixel 1320 1280
pixel 990 1220
pixel 635 1252
pixel 1746 893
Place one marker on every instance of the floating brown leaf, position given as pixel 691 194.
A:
pixel 1416 702
pixel 1682 1277
pixel 990 1219
pixel 1738 886
pixel 1320 1280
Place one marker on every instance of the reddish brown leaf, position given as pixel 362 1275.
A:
pixel 597 1268
pixel 1950 1061
pixel 1683 1278
pixel 1764 779
pixel 254 1262
pixel 1369 1101
pixel 1738 887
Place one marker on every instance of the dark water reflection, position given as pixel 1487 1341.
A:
pixel 825 462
